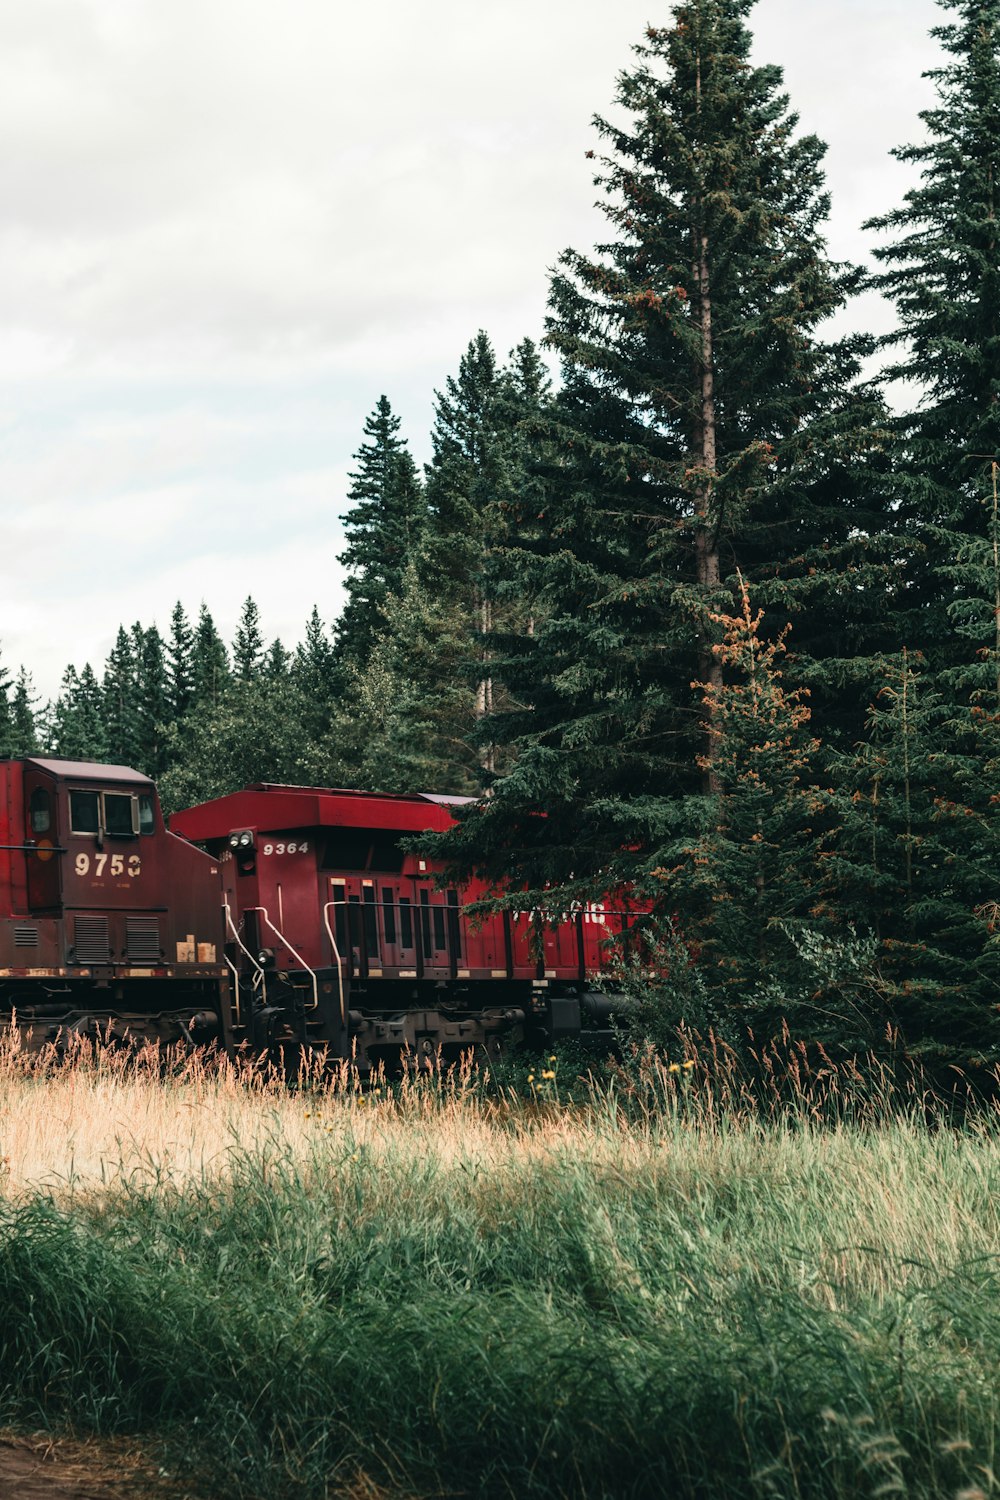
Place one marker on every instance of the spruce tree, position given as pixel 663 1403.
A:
pixel 77 722
pixel 120 694
pixel 210 661
pixel 152 702
pixel 942 270
pixel 180 665
pixel 702 426
pixel 248 647
pixel 384 528
pixel 915 863
pixel 24 703
pixel 314 669
pixel 7 728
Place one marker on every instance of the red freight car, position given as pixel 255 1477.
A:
pixel 109 924
pixel 344 941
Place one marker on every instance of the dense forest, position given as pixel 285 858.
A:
pixel 705 617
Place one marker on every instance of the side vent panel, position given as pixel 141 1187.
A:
pixel 142 941
pixel 91 945
pixel 25 936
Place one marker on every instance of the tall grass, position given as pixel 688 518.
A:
pixel 656 1289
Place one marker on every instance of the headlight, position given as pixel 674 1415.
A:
pixel 246 839
pixel 234 841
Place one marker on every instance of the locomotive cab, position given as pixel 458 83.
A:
pixel 108 923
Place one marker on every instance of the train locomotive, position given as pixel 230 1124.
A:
pixel 109 923
pixel 341 938
pixel 286 919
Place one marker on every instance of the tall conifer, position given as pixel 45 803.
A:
pixel 702 426
pixel 942 270
pixel 384 528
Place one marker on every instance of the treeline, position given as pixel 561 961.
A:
pixel 726 620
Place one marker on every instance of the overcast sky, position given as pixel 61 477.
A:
pixel 227 226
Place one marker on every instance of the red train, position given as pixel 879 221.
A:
pixel 108 922
pixel 300 922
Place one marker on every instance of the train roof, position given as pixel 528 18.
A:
pixel 272 808
pixel 86 770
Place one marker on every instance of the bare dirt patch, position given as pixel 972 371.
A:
pixel 41 1467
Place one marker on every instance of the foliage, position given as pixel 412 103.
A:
pixel 425 1293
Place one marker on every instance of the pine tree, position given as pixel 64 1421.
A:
pixel 942 269
pixel 702 426
pixel 248 647
pixel 384 528
pixel 210 661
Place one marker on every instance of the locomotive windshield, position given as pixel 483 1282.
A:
pixel 115 815
pixel 119 816
pixel 85 812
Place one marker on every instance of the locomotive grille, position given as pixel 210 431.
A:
pixel 92 940
pixel 142 941
pixel 25 937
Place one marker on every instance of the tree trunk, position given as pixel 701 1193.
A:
pixel 706 542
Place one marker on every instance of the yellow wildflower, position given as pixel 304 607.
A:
pixel 548 1073
pixel 689 1063
pixel 674 1068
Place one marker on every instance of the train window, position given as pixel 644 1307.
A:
pixel 362 849
pixel 146 814
pixel 40 810
pixel 371 928
pixel 388 915
pixel 119 816
pixel 348 849
pixel 84 812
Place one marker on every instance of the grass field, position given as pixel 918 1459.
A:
pixel 442 1292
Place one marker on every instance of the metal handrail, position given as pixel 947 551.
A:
pixel 259 978
pixel 337 957
pixel 297 956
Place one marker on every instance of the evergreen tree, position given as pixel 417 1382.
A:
pixel 916 863
pixel 316 675
pixel 277 662
pixel 408 728
pixel 384 528
pixel 120 695
pixel 210 661
pixel 749 892
pixel 248 647
pixel 180 665
pixel 152 703
pixel 77 728
pixel 7 728
pixel 24 703
pixel 702 426
pixel 942 269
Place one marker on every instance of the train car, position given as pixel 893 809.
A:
pixel 110 925
pixel 343 940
